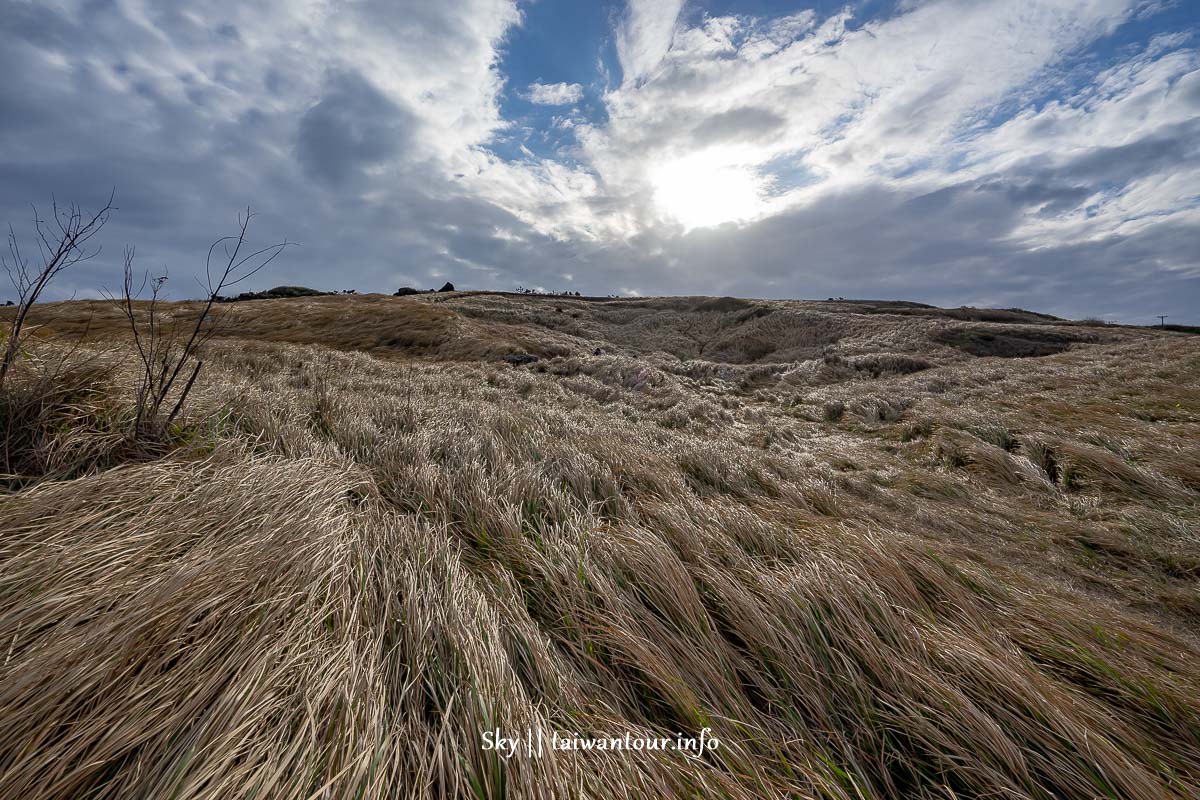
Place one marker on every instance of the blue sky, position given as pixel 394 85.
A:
pixel 986 152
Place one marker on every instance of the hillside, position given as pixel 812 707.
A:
pixel 470 326
pixel 879 550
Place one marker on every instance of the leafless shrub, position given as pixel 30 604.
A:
pixel 62 243
pixel 167 348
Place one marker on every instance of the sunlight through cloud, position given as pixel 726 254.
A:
pixel 701 191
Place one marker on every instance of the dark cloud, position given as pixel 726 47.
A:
pixel 739 124
pixel 1166 150
pixel 354 126
pixel 35 23
pixel 1048 196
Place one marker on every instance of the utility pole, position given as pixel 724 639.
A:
pixel 1162 320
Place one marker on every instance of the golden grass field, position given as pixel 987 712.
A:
pixel 876 557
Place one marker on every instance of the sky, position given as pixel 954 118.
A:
pixel 1042 154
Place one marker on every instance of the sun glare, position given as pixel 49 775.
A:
pixel 700 191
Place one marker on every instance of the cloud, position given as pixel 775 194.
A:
pixel 342 128
pixel 644 35
pixel 738 124
pixel 554 94
pixel 351 128
pixel 952 151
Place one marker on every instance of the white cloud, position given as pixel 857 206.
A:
pixel 835 106
pixel 644 35
pixel 554 94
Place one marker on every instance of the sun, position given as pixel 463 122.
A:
pixel 703 190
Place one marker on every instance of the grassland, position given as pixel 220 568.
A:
pixel 881 550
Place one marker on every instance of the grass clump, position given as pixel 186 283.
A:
pixel 62 417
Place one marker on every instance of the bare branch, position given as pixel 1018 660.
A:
pixel 163 348
pixel 59 251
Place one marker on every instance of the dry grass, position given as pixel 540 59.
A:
pixel 978 579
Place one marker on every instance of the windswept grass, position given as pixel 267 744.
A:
pixel 973 580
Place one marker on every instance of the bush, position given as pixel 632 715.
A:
pixel 277 293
